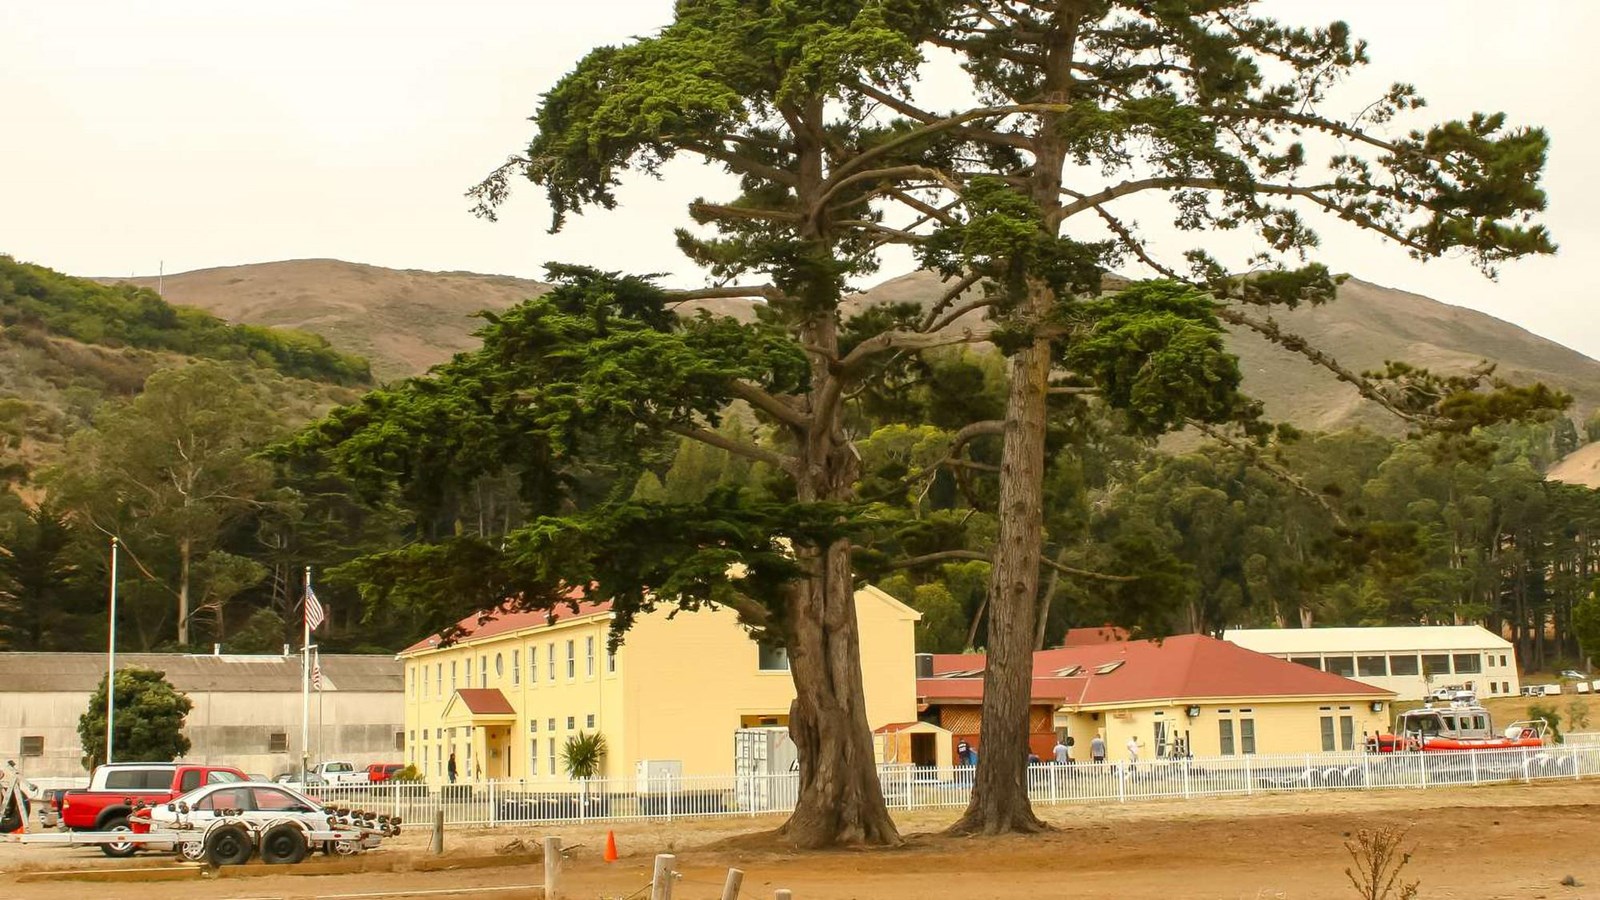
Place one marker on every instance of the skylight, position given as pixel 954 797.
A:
pixel 1109 667
pixel 1069 671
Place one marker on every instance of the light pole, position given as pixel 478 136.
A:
pixel 111 658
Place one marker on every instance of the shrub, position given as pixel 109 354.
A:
pixel 1377 861
pixel 1551 718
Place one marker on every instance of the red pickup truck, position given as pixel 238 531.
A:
pixel 114 788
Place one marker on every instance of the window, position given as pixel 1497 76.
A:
pixel 189 781
pixel 589 721
pixel 483 670
pixel 533 757
pixel 1314 662
pixel 1327 734
pixel 139 779
pixel 1436 663
pixel 772 658
pixel 424 681
pixel 533 726
pixel 550 656
pixel 1403 665
pixel 452 674
pixel 1505 687
pixel 533 664
pixel 278 742
pixel 1341 665
pixel 1247 735
pixel 572 660
pixel 1372 666
pixel 611 661
pixel 550 725
pixel 275 799
pixel 411 680
pixel 1468 663
pixel 499 666
pixel 228 798
pixel 572 722
pixel 588 656
pixel 1494 688
pixel 424 758
pixel 516 667
pixel 1347 732
pixel 33 745
pixel 1225 736
pixel 438 678
pixel 551 746
pixel 1108 668
pixel 1502 660
pixel 399 740
pixel 220 777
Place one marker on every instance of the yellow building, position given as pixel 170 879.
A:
pixel 504 697
pixel 1215 697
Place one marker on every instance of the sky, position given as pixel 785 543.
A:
pixel 187 134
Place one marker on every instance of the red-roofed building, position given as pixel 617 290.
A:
pixel 1217 697
pixel 511 687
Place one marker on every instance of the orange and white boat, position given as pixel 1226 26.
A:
pixel 1460 726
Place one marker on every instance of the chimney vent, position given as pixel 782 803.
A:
pixel 924 665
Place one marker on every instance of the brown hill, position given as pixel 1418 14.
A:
pixel 408 320
pixel 403 320
pixel 1581 467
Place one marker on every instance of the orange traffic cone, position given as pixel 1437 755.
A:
pixel 611 846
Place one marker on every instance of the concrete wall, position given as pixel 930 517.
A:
pixel 224 728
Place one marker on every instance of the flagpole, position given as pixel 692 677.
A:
pixel 111 658
pixel 320 677
pixel 305 678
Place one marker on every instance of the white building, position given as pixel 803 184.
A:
pixel 1410 660
pixel 247 709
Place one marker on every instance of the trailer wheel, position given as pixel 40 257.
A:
pixel 284 844
pixel 229 845
pixel 123 849
pixel 192 851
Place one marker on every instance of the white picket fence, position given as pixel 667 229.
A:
pixel 908 787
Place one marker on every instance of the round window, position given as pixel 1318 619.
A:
pixel 499 665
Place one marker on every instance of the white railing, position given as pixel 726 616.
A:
pixel 910 787
pixel 1581 738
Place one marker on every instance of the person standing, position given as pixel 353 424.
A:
pixel 1097 749
pixel 1133 753
pixel 450 768
pixel 1061 752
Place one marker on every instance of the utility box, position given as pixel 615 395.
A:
pixel 658 776
pixel 766 768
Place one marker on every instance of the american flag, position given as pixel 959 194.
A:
pixel 314 613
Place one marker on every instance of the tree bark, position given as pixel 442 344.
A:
pixel 185 550
pixel 1000 786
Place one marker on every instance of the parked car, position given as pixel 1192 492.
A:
pixel 260 803
pixel 301 780
pixel 257 776
pixel 339 772
pixel 1574 674
pixel 113 789
pixel 378 773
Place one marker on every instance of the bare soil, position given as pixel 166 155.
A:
pixel 1516 841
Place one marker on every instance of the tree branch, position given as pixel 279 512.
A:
pixel 770 404
pixel 950 294
pixel 749 451
pixel 910 340
pixel 1085 573
pixel 723 211
pixel 764 291
pixel 1279 472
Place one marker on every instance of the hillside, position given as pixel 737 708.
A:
pixel 407 320
pixel 1581 467
pixel 403 320
pixel 69 344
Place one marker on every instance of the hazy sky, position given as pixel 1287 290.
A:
pixel 204 133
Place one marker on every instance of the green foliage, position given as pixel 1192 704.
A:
pixel 583 754
pixel 148 720
pixel 1551 717
pixel 1586 623
pixel 407 774
pixel 126 316
pixel 39 602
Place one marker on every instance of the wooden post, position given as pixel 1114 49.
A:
pixel 785 894
pixel 730 888
pixel 437 843
pixel 552 868
pixel 663 876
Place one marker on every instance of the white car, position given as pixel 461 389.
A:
pixel 256 802
pixel 340 773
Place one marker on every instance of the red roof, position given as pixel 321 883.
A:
pixel 1184 667
pixel 486 701
pixel 1105 634
pixel 500 621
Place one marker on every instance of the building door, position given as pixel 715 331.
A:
pixel 1160 743
pixel 924 750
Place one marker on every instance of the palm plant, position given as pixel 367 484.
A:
pixel 583 754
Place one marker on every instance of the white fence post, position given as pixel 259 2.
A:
pixel 493 812
pixel 1422 763
pixel 1473 759
pixel 552 868
pixel 1122 779
pixel 1249 783
pixel 663 876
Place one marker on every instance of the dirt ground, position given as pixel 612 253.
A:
pixel 1516 841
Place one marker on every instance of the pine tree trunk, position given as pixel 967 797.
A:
pixel 1000 786
pixel 840 800
pixel 184 552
